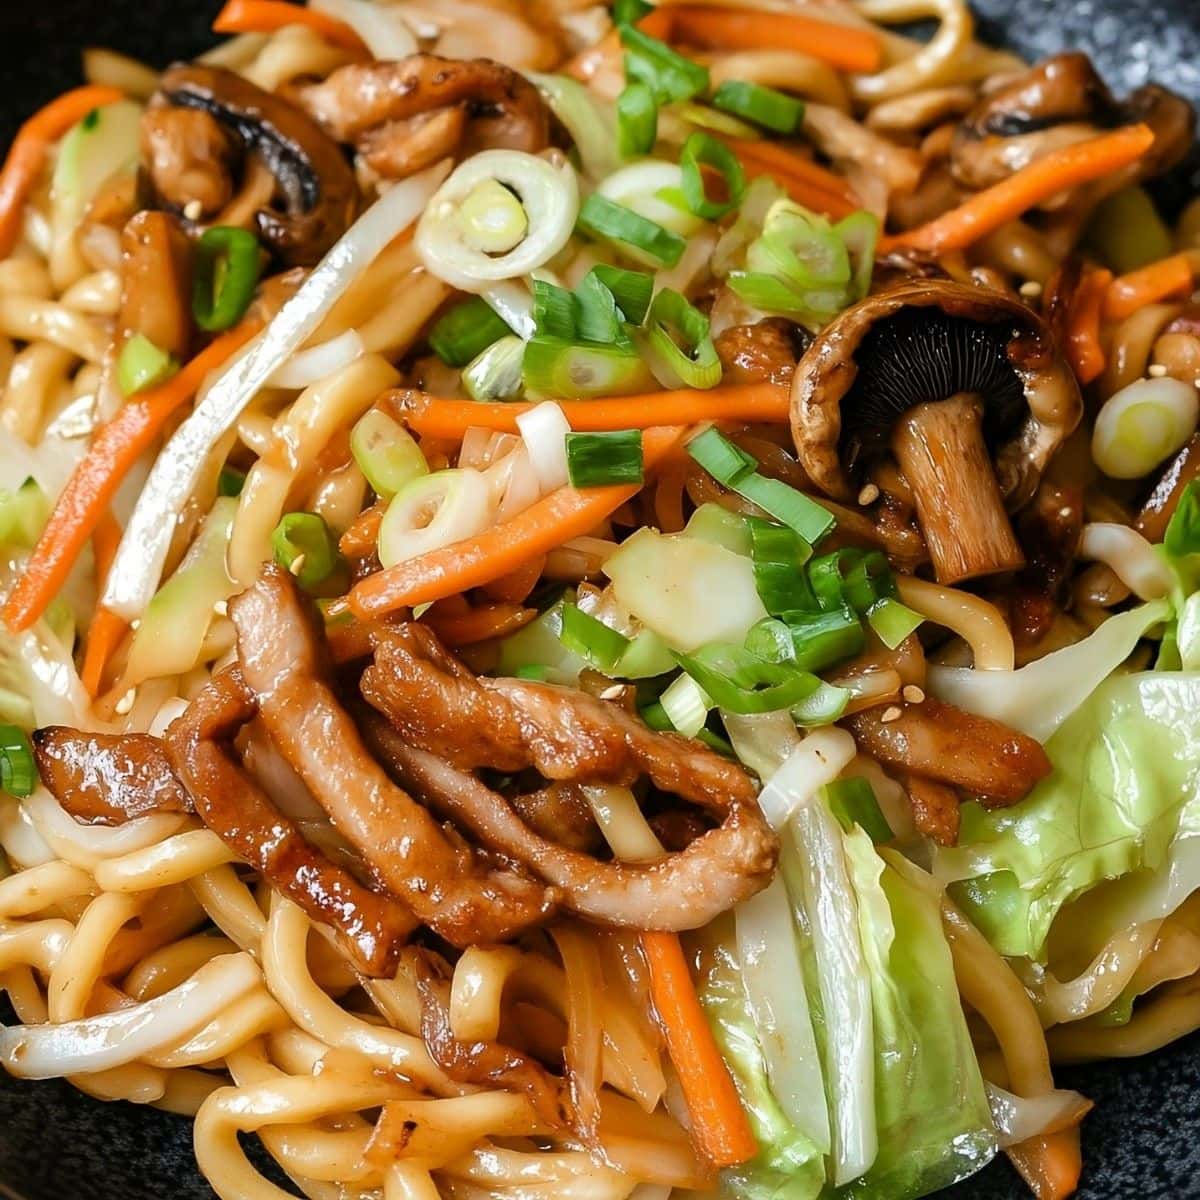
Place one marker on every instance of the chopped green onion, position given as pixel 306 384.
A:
pixel 812 641
pixel 23 514
pixel 679 344
pixel 143 365
pixel 892 621
pixel 712 523
pixel 535 672
pixel 603 218
pixel 465 331
pixel 734 468
pixel 852 577
pixel 637 120
pixel 669 75
pixel 859 233
pixel 558 367
pixel 825 705
pixel 228 263
pixel 599 319
pixel 630 12
pixel 656 717
pixel 716 122
pixel 497 373
pixel 779 555
pixel 18 772
pixel 632 290
pixel 230 482
pixel 700 151
pixel 763 105
pixel 827 577
pixel 601 645
pixel 304 546
pixel 686 705
pixel 386 453
pixel 853 802
pixel 648 655
pixel 493 219
pixel 601 459
pixel 743 683
pixel 555 310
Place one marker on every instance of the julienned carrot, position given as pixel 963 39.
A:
pixel 107 629
pixel 515 587
pixel 478 624
pixel 1050 1165
pixel 1171 276
pixel 27 154
pixel 1056 172
pixel 803 180
pixel 266 16
pixel 557 518
pixel 114 450
pixel 1084 350
pixel 842 46
pixel 719 1124
pixel 450 419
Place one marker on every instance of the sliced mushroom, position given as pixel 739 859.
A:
pixel 963 387
pixel 227 117
pixel 1058 102
pixel 156 289
pixel 403 116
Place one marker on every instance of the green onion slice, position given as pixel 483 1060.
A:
pixel 230 482
pixel 18 771
pixel 23 514
pixel 892 621
pixel 637 120
pixel 386 453
pixel 304 546
pixel 630 12
pixel 702 150
pixel 602 459
pixel 764 106
pixel 228 263
pixel 632 290
pixel 853 802
pixel 743 683
pixel 600 644
pixel 558 367
pixel 465 331
pixel 599 318
pixel 613 222
pixel 686 704
pixel 825 705
pixel 679 344
pixel 779 554
pixel 143 365
pixel 554 310
pixel 668 75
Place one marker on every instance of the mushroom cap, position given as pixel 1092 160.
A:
pixel 314 179
pixel 934 339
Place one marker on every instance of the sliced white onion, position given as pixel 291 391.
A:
pixel 548 193
pixel 818 760
pixel 116 1038
pixel 545 430
pixel 136 571
pixel 522 488
pixel 763 741
pixel 686 705
pixel 638 186
pixel 1132 558
pixel 1018 1118
pixel 511 302
pixel 381 26
pixel 319 362
pixel 434 511
pixel 1142 425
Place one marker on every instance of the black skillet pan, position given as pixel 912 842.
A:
pixel 1143 1140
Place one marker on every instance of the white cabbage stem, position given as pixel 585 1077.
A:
pixel 1132 559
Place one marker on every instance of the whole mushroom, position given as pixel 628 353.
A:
pixel 963 388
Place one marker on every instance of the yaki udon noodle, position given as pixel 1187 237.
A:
pixel 599 603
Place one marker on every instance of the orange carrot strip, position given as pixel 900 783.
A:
pixel 106 630
pixel 478 624
pixel 1171 276
pixel 266 16
pixel 557 518
pixel 842 46
pixel 450 419
pixel 1050 1165
pixel 85 499
pixel 27 154
pixel 1084 350
pixel 1058 171
pixel 719 1125
pixel 515 587
pixel 789 162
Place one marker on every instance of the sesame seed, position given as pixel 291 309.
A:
pixel 612 693
pixel 125 704
pixel 868 495
pixel 221 608
pixel 297 564
pixel 893 713
pixel 135 624
pixel 913 694
pixel 1031 290
pixel 1156 370
pixel 193 210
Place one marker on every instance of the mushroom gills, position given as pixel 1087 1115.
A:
pixel 937 391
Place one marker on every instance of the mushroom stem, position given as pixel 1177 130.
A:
pixel 940 449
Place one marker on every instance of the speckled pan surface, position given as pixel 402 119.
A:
pixel 1143 1140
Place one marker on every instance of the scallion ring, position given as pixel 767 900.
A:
pixel 637 120
pixel 18 771
pixel 548 194
pixel 702 150
pixel 304 546
pixel 141 365
pixel 434 511
pixel 764 106
pixel 679 344
pixel 604 459
pixel 228 263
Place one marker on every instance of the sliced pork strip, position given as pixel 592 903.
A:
pixel 282 662
pixel 373 928
pixel 107 779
